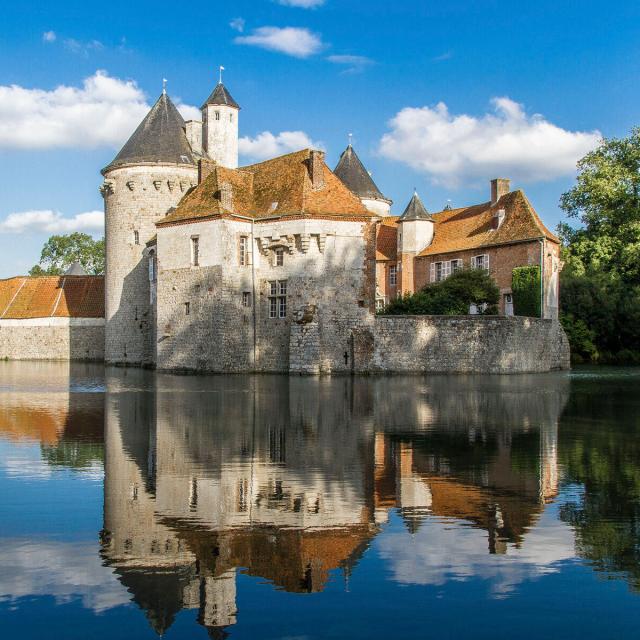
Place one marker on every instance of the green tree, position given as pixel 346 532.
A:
pixel 606 203
pixel 526 288
pixel 60 252
pixel 450 297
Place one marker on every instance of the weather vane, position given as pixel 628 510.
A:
pixel 164 86
pixel 350 138
pixel 221 70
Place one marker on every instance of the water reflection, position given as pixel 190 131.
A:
pixel 292 479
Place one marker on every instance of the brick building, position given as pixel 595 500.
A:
pixel 419 248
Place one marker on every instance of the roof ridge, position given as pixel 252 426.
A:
pixel 284 155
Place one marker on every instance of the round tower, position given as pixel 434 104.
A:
pixel 149 176
pixel 220 127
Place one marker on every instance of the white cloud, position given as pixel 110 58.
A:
pixel 61 570
pixel 294 41
pixel 353 64
pixel 455 148
pixel 83 48
pixel 237 24
pixel 103 112
pixel 266 145
pixel 47 221
pixel 303 4
pixel 49 36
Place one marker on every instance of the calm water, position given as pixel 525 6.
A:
pixel 134 504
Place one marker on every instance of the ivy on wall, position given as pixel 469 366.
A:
pixel 526 290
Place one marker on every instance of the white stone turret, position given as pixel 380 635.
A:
pixel 220 127
pixel 148 177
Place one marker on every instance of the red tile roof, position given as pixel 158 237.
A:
pixel 471 228
pixel 281 186
pixel 25 297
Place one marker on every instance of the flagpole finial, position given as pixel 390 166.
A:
pixel 220 69
pixel 350 138
pixel 164 86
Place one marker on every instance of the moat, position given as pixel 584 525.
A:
pixel 136 504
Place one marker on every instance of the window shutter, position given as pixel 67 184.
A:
pixel 433 272
pixel 487 261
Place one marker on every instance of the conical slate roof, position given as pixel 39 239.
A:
pixel 76 269
pixel 415 210
pixel 353 174
pixel 220 95
pixel 160 137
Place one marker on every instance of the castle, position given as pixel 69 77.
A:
pixel 280 266
pixel 211 266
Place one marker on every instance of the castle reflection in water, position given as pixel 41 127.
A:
pixel 289 479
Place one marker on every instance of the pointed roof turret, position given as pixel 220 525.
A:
pixel 76 269
pixel 220 95
pixel 415 210
pixel 160 137
pixel 354 175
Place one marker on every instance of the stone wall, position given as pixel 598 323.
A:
pixel 328 266
pixel 464 344
pixel 52 339
pixel 136 197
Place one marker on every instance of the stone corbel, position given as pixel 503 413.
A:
pixel 183 186
pixel 106 188
pixel 305 241
pixel 131 185
pixel 171 184
pixel 290 243
pixel 322 239
pixel 157 184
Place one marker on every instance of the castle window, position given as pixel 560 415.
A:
pixel 393 275
pixel 278 299
pixel 231 117
pixel 480 262
pixel 279 257
pixel 243 251
pixel 187 308
pixel 246 299
pixel 195 250
pixel 136 237
pixel 456 265
pixel 217 115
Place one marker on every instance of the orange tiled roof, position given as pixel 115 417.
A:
pixel 387 239
pixel 472 227
pixel 25 297
pixel 281 186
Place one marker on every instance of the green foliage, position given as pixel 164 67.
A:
pixel 600 284
pixel 606 202
pixel 601 316
pixel 526 290
pixel 450 297
pixel 60 252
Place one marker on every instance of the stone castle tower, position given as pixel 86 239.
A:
pixel 148 177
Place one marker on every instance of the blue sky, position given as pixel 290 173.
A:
pixel 442 96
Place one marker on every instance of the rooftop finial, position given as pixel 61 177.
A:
pixel 350 138
pixel 221 70
pixel 164 86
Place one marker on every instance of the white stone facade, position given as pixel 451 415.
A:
pixel 135 198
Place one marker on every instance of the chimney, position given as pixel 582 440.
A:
pixel 316 169
pixel 205 168
pixel 193 131
pixel 499 188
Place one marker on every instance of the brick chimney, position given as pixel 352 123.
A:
pixel 499 188
pixel 316 169
pixel 205 168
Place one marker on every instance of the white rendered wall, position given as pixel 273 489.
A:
pixel 220 137
pixel 414 235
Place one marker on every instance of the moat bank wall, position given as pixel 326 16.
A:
pixel 52 339
pixel 461 344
